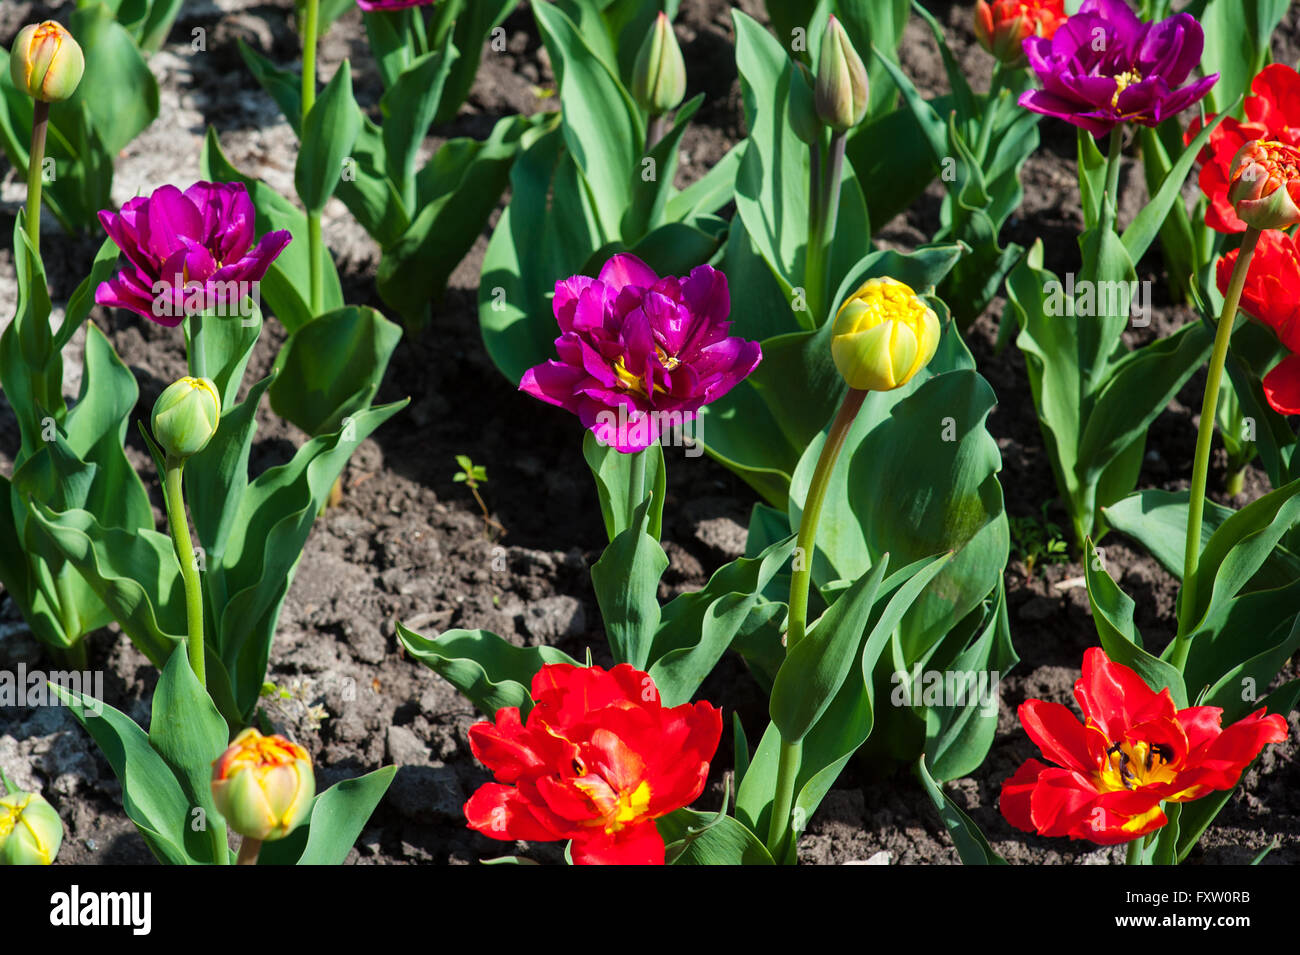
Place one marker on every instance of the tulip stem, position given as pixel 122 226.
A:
pixel 779 829
pixel 1204 439
pixel 636 486
pixel 823 212
pixel 248 851
pixel 35 173
pixel 179 525
pixel 198 356
pixel 992 109
pixel 655 130
pixel 1133 856
pixel 1114 156
pixel 311 26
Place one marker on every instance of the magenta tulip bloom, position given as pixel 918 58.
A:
pixel 639 354
pixel 371 6
pixel 187 251
pixel 1104 67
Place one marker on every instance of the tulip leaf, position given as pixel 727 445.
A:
pixel 151 795
pixel 960 731
pixel 1112 615
pixel 602 126
pixel 281 85
pixel 119 90
pixel 613 471
pixel 1246 651
pixel 652 179
pixel 338 816
pixel 698 838
pixel 697 628
pixel 187 731
pixel 456 193
pixel 475 22
pixel 626 581
pixel 408 107
pixel 1239 548
pixel 331 368
pixel 329 132
pixel 967 839
pixel 488 671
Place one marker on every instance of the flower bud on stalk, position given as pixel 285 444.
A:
pixel 659 76
pixel 185 417
pixel 31 832
pixel 841 91
pixel 263 786
pixel 1002 26
pixel 883 335
pixel 46 63
pixel 1264 185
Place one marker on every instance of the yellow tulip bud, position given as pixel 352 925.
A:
pixel 883 335
pixel 31 832
pixel 263 785
pixel 46 63
pixel 185 416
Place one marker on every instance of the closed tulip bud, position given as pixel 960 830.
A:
pixel 1264 185
pixel 31 832
pixel 46 63
pixel 659 77
pixel 185 416
pixel 263 785
pixel 841 91
pixel 883 335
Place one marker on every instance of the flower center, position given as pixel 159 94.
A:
pixel 632 383
pixel 1134 765
pixel 1123 82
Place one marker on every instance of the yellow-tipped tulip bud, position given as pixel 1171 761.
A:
pixel 1264 184
pixel 883 335
pixel 263 785
pixel 659 77
pixel 46 63
pixel 185 416
pixel 31 832
pixel 841 91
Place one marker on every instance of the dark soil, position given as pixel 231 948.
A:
pixel 407 543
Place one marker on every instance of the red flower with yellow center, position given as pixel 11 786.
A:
pixel 597 761
pixel 1133 751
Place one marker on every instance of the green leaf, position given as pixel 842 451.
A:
pixel 338 816
pixel 612 470
pixel 189 733
pixel 487 670
pixel 331 368
pixel 710 841
pixel 408 107
pixel 125 101
pixel 329 132
pixel 151 794
pixel 626 581
pixel 969 842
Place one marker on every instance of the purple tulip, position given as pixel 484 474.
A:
pixel 1104 67
pixel 370 6
pixel 640 354
pixel 187 251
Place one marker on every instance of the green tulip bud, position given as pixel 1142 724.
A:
pixel 883 335
pixel 659 77
pixel 31 832
pixel 46 63
pixel 841 92
pixel 263 785
pixel 185 416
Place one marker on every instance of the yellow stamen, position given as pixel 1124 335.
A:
pixel 1123 82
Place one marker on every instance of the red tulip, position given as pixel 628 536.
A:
pixel 597 761
pixel 1272 113
pixel 1272 296
pixel 1133 751
pixel 1002 26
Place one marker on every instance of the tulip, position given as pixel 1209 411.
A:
pixel 46 63
pixel 659 77
pixel 638 351
pixel 263 786
pixel 883 335
pixel 185 417
pixel 1001 27
pixel 1264 185
pixel 840 94
pixel 598 759
pixel 31 832
pixel 1104 67
pixel 1133 752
